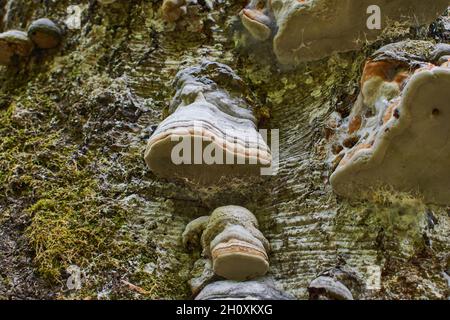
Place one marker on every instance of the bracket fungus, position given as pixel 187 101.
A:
pixel 232 241
pixel 339 283
pixel 45 33
pixel 400 121
pixel 258 20
pixel 193 232
pixel 309 30
pixel 14 44
pixel 261 289
pixel 326 288
pixel 211 133
pixel 440 53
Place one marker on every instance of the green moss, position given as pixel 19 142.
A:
pixel 67 227
pixel 169 286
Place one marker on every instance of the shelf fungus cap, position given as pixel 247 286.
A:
pixel 14 43
pixel 239 260
pixel 314 29
pixel 261 289
pixel 193 232
pixel 45 33
pixel 237 248
pixel 257 19
pixel 327 288
pixel 211 133
pixel 404 144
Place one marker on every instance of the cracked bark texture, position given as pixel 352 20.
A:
pixel 74 188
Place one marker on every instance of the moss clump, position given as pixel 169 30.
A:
pixel 69 225
pixel 68 219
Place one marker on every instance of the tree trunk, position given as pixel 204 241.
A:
pixel 75 190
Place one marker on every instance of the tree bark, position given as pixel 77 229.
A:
pixel 75 191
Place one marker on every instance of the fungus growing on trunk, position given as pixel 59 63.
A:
pixel 326 288
pixel 193 232
pixel 261 289
pixel 45 33
pixel 211 133
pixel 13 44
pixel 172 10
pixel 257 19
pixel 309 30
pixel 403 137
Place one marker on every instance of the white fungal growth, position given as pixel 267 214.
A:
pixel 400 124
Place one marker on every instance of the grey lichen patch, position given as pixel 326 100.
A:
pixel 233 247
pixel 402 231
pixel 392 220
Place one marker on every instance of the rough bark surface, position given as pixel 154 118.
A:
pixel 75 191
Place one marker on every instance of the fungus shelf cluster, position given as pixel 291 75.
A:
pixel 235 252
pixel 16 45
pixel 234 261
pixel 314 29
pixel 336 284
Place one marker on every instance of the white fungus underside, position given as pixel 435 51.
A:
pixel 414 154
